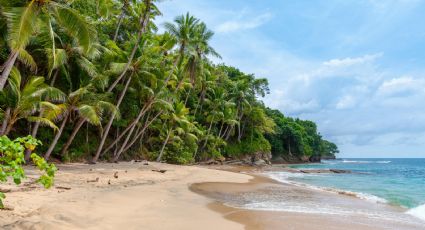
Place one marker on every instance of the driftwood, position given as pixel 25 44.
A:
pixel 159 170
pixel 95 180
pixel 64 188
pixel 5 190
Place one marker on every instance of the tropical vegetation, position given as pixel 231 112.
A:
pixel 96 80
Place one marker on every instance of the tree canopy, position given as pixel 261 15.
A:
pixel 96 80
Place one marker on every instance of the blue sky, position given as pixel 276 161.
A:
pixel 355 67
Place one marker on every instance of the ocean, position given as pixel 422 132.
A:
pixel 399 183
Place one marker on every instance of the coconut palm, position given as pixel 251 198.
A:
pixel 183 30
pixel 24 23
pixel 23 100
pixel 178 116
pixel 85 106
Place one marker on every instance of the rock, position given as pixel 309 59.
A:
pixel 340 171
pixel 315 158
pixel 160 171
pixel 260 162
pixel 328 157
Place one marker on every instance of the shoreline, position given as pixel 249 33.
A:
pixel 267 219
pixel 184 197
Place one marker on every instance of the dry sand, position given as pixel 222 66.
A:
pixel 138 199
pixel 184 197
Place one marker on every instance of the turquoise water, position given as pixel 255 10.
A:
pixel 393 190
pixel 394 181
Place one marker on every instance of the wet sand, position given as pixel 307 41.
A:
pixel 229 196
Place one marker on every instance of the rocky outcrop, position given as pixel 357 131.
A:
pixel 256 159
pixel 315 158
pixel 338 171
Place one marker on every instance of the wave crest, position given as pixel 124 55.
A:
pixel 418 212
pixel 365 162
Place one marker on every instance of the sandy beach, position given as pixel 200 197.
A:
pixel 130 195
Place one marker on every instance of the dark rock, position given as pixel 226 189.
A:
pixel 328 157
pixel 315 158
pixel 340 171
pixel 260 162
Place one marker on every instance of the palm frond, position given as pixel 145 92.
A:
pixel 43 121
pixel 27 59
pixel 21 24
pixel 76 25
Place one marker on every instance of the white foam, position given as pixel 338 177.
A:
pixel 365 162
pixel 284 177
pixel 418 212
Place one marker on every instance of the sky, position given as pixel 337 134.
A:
pixel 355 67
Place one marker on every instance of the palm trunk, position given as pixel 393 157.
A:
pixel 206 140
pixel 142 132
pixel 229 132
pixel 289 148
pixel 225 131
pixel 221 129
pixel 37 123
pixel 200 102
pixel 56 138
pixel 73 134
pixel 7 67
pixel 163 146
pixel 124 144
pixel 119 23
pixel 187 97
pixel 144 20
pixel 5 121
pixel 132 124
pixel 117 133
pixel 111 119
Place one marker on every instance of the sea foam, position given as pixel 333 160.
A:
pixel 285 177
pixel 418 212
pixel 365 162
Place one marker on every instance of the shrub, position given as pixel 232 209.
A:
pixel 12 159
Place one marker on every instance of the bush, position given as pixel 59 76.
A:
pixel 12 159
pixel 248 146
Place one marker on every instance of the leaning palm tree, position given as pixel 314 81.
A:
pixel 86 106
pixel 175 119
pixel 22 101
pixel 24 23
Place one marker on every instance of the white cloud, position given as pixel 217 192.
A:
pixel 346 102
pixel 352 61
pixel 243 23
pixel 399 85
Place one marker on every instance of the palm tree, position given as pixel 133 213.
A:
pixel 87 107
pixel 144 20
pixel 22 101
pixel 183 30
pixel 178 116
pixel 25 22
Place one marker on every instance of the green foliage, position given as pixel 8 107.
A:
pixel 12 159
pixel 295 137
pixel 103 67
pixel 247 147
